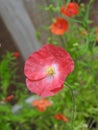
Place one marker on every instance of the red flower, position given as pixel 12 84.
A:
pixel 70 10
pixel 59 27
pixel 9 98
pixel 16 54
pixel 84 32
pixel 96 38
pixel 41 104
pixel 47 69
pixel 97 30
pixel 61 117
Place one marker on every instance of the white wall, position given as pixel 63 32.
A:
pixel 19 25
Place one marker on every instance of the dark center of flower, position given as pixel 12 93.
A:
pixel 71 11
pixel 60 26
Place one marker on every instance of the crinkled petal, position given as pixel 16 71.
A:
pixel 47 86
pixel 62 56
pixel 35 65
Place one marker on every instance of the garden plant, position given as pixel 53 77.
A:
pixel 61 87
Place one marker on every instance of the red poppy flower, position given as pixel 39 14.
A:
pixel 84 32
pixel 97 30
pixel 70 10
pixel 96 38
pixel 16 54
pixel 47 69
pixel 59 27
pixel 61 117
pixel 9 98
pixel 41 104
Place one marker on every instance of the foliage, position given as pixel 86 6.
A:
pixel 77 101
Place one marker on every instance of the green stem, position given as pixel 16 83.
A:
pixel 73 105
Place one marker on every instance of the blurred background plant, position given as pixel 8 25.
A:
pixel 76 106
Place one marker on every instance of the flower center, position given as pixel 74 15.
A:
pixel 50 71
pixel 59 26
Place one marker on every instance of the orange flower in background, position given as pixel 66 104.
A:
pixel 9 98
pixel 61 117
pixel 97 30
pixel 16 54
pixel 84 32
pixel 71 9
pixel 96 38
pixel 59 27
pixel 41 104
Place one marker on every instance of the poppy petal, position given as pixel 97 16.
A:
pixel 47 86
pixel 47 69
pixel 59 27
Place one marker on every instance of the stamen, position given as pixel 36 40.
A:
pixel 50 71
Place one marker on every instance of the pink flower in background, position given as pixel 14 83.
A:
pixel 47 69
